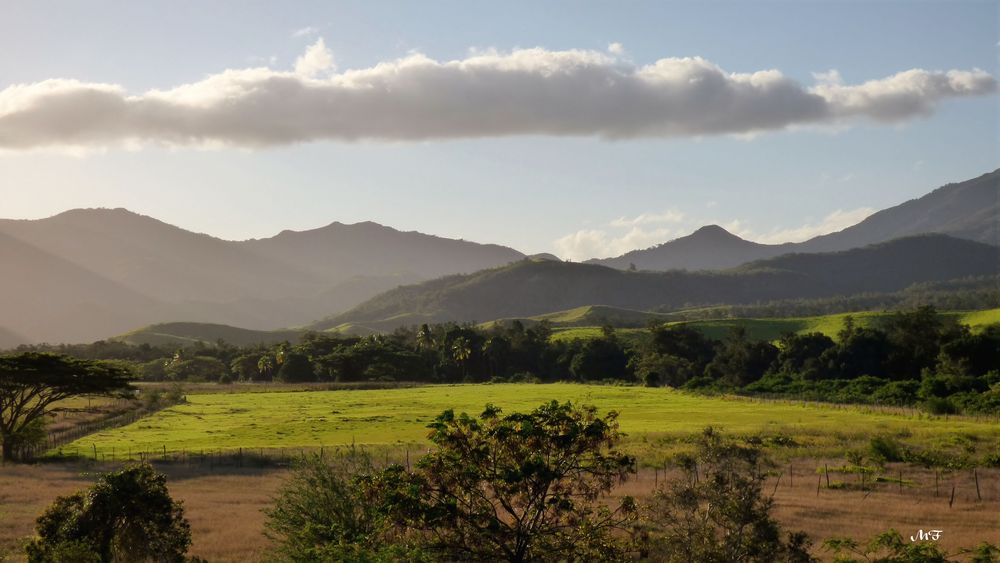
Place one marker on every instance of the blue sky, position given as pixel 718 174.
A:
pixel 574 194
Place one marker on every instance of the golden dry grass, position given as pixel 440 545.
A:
pixel 860 515
pixel 224 505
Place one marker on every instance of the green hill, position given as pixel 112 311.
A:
pixel 185 334
pixel 773 328
pixel 528 289
pixel 590 316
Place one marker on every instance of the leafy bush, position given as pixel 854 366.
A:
pixel 716 510
pixel 322 513
pixel 887 449
pixel 127 516
pixel 890 547
pixel 938 405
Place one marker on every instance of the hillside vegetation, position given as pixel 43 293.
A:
pixel 830 325
pixel 528 288
pixel 185 334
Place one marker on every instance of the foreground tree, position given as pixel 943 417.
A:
pixel 715 511
pixel 127 516
pixel 520 487
pixel 322 513
pixel 31 382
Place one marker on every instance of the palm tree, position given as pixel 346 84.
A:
pixel 461 351
pixel 265 365
pixel 495 349
pixel 425 338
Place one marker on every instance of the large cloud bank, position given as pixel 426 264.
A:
pixel 524 92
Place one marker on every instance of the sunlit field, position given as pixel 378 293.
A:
pixel 656 420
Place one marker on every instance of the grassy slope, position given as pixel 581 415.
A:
pixel 773 328
pixel 184 334
pixel 654 418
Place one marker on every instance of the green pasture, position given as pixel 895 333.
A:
pixel 772 328
pixel 656 420
pixel 590 332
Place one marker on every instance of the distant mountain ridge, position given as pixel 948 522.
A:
pixel 532 288
pixel 86 274
pixel 968 210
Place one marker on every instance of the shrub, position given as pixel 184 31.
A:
pixel 938 405
pixel 721 514
pixel 322 513
pixel 890 547
pixel 127 516
pixel 886 449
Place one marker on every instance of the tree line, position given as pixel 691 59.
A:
pixel 913 357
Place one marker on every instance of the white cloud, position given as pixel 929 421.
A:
pixel 316 60
pixel 490 94
pixel 616 48
pixel 831 77
pixel 615 240
pixel 669 216
pixel 836 221
pixel 307 31
pixel 598 243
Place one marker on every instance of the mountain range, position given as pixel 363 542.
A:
pixel 87 274
pixel 968 210
pixel 530 287
pixel 90 273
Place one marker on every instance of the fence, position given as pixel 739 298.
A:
pixel 60 438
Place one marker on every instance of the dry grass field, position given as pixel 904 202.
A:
pixel 224 504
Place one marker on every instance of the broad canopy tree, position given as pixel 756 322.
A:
pixel 31 382
pixel 517 487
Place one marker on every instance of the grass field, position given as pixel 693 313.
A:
pixel 772 328
pixel 655 419
pixel 588 332
pixel 830 325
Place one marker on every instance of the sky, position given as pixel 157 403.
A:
pixel 585 129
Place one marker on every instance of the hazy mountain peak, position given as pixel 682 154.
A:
pixel 968 210
pixel 713 232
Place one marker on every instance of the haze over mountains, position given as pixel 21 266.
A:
pixel 968 210
pixel 88 274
